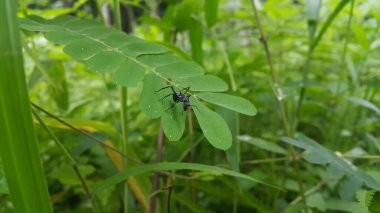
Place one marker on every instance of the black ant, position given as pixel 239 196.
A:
pixel 180 96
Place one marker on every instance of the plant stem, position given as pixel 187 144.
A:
pixel 281 104
pixel 70 159
pixel 160 142
pixel 123 108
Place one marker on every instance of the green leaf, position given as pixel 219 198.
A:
pixel 263 144
pixel 149 99
pixel 231 102
pixel 168 166
pixel 364 103
pixel 59 90
pixel 342 206
pixel 213 126
pixel 375 204
pixel 328 22
pixel 104 61
pixel 129 74
pixel 365 198
pixel 211 12
pixel 67 175
pixel 18 145
pixel 312 14
pixel 316 200
pixel 180 69
pixel 233 153
pixel 196 37
pixel 105 49
pixel 204 83
pixel 173 120
pixel 322 155
pixel 3 182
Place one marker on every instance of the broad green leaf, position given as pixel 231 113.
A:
pixel 168 166
pixel 316 201
pixel 263 144
pixel 136 49
pixel 83 49
pixel 129 74
pixel 231 102
pixel 149 100
pixel 173 119
pixel 180 69
pixel 104 61
pixel 211 11
pixel 213 126
pixel 204 83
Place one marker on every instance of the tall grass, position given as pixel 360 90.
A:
pixel 18 147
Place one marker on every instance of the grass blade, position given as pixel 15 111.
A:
pixel 18 147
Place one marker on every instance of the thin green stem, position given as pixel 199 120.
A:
pixel 123 107
pixel 281 104
pixel 341 77
pixel 86 134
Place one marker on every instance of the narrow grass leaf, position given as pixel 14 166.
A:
pixel 263 144
pixel 18 146
pixel 364 103
pixel 167 166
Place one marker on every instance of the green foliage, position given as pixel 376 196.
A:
pixel 213 170
pixel 317 154
pixel 325 56
pixel 107 50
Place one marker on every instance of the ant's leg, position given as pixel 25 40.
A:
pixel 166 97
pixel 184 91
pixel 166 88
pixel 170 86
pixel 172 105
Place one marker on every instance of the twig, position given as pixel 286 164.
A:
pixel 160 142
pixel 86 134
pixel 281 104
pixel 70 159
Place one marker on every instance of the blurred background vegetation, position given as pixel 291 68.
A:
pixel 337 81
